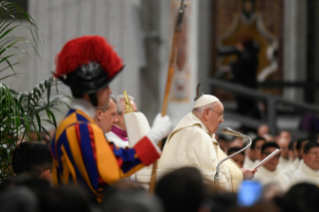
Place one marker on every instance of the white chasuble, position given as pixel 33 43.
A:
pixel 190 144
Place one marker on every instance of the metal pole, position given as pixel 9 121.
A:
pixel 271 119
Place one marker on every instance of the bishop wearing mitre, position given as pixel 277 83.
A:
pixel 192 143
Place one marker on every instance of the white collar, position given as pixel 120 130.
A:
pixel 84 106
pixel 305 168
pixel 264 170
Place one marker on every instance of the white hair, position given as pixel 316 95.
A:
pixel 119 106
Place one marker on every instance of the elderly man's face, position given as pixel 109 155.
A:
pixel 121 120
pixel 214 115
pixel 312 158
pixel 106 119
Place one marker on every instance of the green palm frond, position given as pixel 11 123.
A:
pixel 22 115
pixel 11 17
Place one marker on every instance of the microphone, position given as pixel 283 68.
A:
pixel 229 131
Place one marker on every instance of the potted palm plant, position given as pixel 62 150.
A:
pixel 21 114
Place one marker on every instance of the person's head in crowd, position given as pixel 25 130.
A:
pixel 219 202
pixel 300 146
pixel 210 111
pixel 271 191
pixel 259 207
pixel 237 142
pixel 283 144
pixel 19 156
pixel 38 162
pixel 239 158
pixel 132 201
pixel 18 199
pixel 64 199
pixel 263 130
pixel 122 186
pixel 223 142
pixel 106 117
pixel 285 134
pixel 266 149
pixel 291 149
pixel 302 197
pixel 181 190
pixel 268 137
pixel 121 110
pixel 254 153
pixel 310 154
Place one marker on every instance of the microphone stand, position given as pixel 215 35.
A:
pixel 216 177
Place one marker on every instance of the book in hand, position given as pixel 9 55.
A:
pixel 265 160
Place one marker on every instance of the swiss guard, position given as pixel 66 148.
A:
pixel 81 154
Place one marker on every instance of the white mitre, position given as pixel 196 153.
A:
pixel 205 99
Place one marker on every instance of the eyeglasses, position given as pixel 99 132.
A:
pixel 314 153
pixel 221 115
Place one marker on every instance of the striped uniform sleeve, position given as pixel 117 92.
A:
pixel 128 160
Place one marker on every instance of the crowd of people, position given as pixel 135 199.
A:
pixel 90 164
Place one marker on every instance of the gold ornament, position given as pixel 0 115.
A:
pixel 128 106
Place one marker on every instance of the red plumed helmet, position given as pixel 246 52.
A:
pixel 87 64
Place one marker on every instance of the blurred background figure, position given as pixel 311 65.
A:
pixel 132 201
pixel 254 152
pixel 181 190
pixel 244 71
pixel 283 143
pixel 263 130
pixel 33 160
pixel 223 142
pixel 302 197
pixel 236 142
pixel 239 158
pixel 308 170
pixel 268 172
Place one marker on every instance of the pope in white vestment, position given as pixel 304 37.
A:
pixel 193 143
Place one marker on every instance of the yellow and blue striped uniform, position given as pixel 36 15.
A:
pixel 82 155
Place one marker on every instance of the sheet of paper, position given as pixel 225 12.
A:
pixel 267 158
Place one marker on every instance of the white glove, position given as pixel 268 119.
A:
pixel 160 129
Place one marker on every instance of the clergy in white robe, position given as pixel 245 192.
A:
pixel 253 153
pixel 193 143
pixel 268 172
pixel 308 170
pixel 283 144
